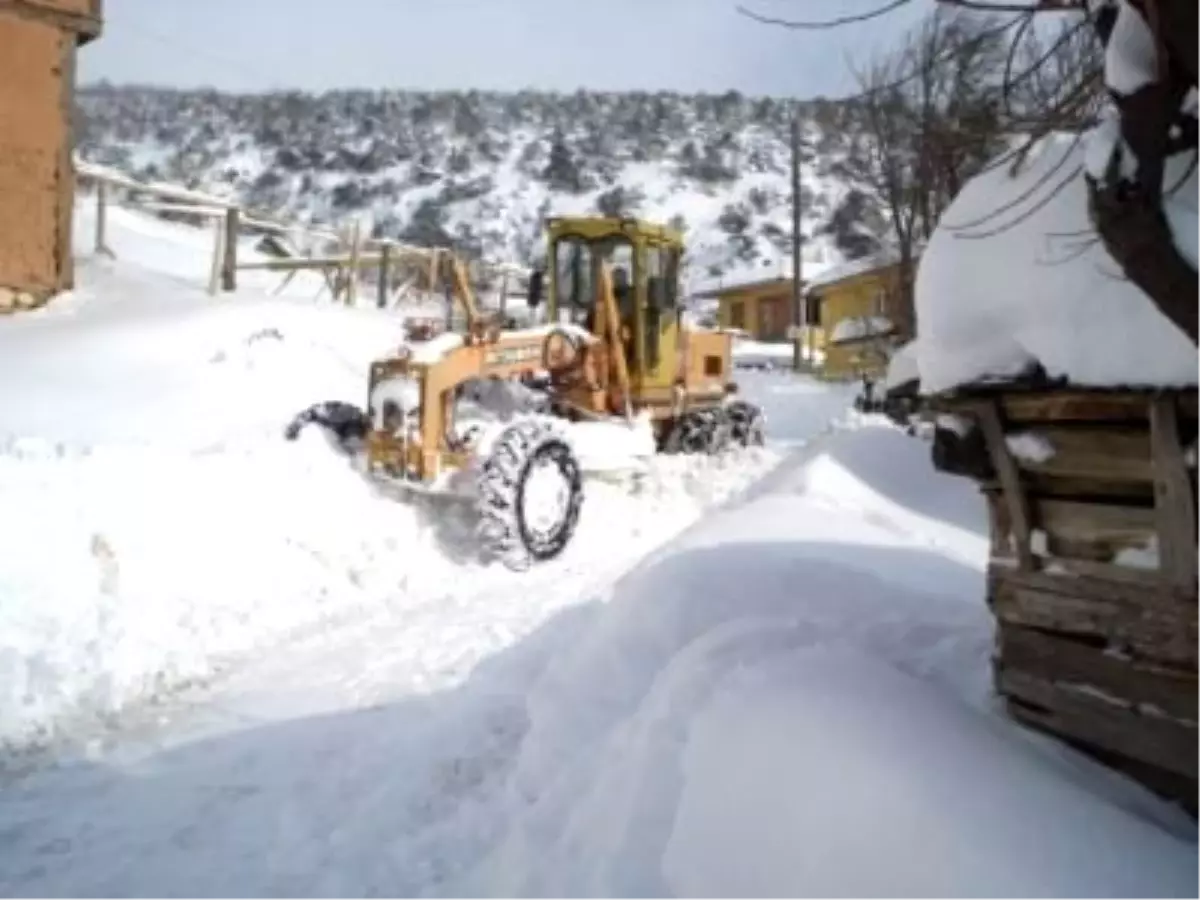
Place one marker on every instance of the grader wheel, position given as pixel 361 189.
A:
pixel 530 494
pixel 748 424
pixel 705 431
pixel 714 430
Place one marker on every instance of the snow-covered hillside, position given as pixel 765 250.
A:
pixel 481 170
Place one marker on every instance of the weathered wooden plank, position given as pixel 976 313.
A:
pixel 1000 524
pixel 1178 600
pixel 1094 523
pixel 1146 687
pixel 1174 503
pixel 1095 453
pixel 1094 721
pixel 1076 529
pixel 1089 406
pixel 1144 579
pixel 1148 625
pixel 1010 480
pixel 1101 540
pixel 1058 486
pixel 1067 406
pixel 385 276
pixel 229 256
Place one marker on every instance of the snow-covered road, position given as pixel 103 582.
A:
pixel 357 757
pixel 577 754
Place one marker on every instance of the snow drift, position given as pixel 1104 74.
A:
pixel 1014 275
pixel 793 700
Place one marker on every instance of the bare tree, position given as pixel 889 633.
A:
pixel 1044 67
pixel 1149 87
pixel 1143 55
pixel 919 138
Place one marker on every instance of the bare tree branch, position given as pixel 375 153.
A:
pixel 1035 7
pixel 876 13
pixel 900 81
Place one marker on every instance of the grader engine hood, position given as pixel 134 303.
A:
pixel 407 439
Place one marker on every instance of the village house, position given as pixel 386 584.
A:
pixel 37 84
pixel 762 308
pixel 859 309
pixel 762 311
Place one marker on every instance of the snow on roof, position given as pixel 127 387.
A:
pixel 817 259
pixel 859 328
pixel 853 267
pixel 733 287
pixel 993 300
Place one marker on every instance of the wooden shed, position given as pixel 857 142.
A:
pixel 37 83
pixel 1093 571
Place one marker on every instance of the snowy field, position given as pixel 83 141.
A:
pixel 764 674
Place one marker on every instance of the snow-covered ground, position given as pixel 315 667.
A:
pixel 764 674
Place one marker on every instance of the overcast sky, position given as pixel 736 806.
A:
pixel 686 45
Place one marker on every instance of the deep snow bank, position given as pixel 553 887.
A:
pixel 1014 275
pixel 830 774
pixel 793 699
pixel 129 570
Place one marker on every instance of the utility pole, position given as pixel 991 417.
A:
pixel 799 306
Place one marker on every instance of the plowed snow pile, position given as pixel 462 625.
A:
pixel 156 524
pixel 793 700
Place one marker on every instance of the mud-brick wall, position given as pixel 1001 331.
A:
pixel 38 40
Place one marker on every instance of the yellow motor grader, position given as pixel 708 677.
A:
pixel 613 348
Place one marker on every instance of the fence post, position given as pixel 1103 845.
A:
pixel 355 250
pixel 214 279
pixel 102 218
pixel 229 265
pixel 385 275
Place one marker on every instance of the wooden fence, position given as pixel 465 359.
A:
pixel 400 268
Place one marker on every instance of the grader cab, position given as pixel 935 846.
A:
pixel 501 404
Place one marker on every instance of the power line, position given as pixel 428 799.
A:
pixel 152 36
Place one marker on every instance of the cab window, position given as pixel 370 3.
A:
pixel 618 254
pixel 573 285
pixel 670 278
